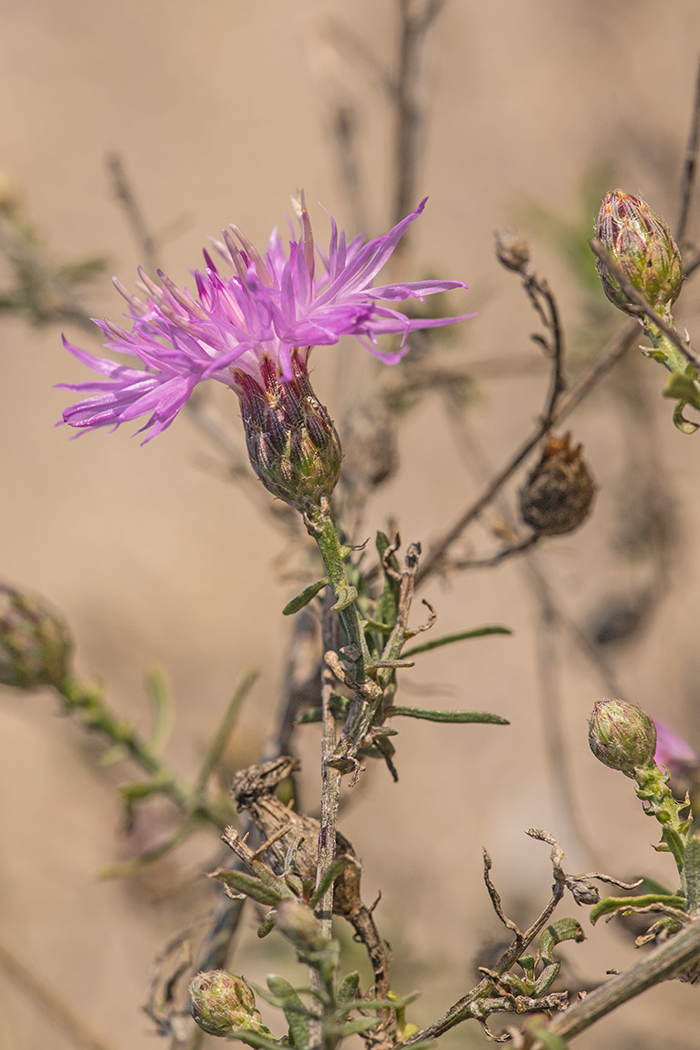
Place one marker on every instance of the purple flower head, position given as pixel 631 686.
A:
pixel 267 310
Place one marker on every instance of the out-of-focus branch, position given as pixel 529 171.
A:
pixel 689 164
pixel 125 195
pixel 612 353
pixel 661 964
pixel 415 19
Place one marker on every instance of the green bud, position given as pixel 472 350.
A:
pixel 292 444
pixel 299 924
pixel 642 246
pixel 35 645
pixel 220 1002
pixel 621 736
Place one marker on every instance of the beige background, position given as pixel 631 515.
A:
pixel 220 109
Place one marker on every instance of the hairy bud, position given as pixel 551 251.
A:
pixel 621 736
pixel 558 494
pixel 35 645
pixel 292 443
pixel 642 246
pixel 220 1002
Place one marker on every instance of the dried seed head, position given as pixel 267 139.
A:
pixel 512 250
pixel 642 246
pixel 621 736
pixel 558 494
pixel 220 1002
pixel 35 645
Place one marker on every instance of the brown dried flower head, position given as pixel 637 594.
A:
pixel 558 494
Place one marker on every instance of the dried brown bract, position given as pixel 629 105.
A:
pixel 559 491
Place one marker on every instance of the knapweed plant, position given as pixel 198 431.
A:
pixel 250 322
pixel 252 328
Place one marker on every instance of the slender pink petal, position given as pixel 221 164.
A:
pixel 247 322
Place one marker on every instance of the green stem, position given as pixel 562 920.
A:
pixel 87 700
pixel 675 361
pixel 652 788
pixel 325 532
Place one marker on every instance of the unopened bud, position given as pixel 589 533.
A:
pixel 292 444
pixel 299 924
pixel 642 246
pixel 621 736
pixel 558 494
pixel 512 250
pixel 35 645
pixel 220 1003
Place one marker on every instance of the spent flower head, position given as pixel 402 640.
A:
pixel 269 310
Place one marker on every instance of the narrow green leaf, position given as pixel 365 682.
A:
pixel 142 789
pixel 396 1002
pixel 295 1011
pixel 548 1039
pixel 380 628
pixel 562 930
pixel 691 875
pixel 267 926
pixel 132 867
pixel 447 639
pixel 447 716
pixel 223 733
pixel 255 1039
pixel 356 1027
pixel 386 605
pixel 612 904
pixel 337 868
pixel 546 979
pixel 248 884
pixel 307 595
pixel 349 988
pixel 680 422
pixel 162 708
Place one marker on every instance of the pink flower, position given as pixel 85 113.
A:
pixel 672 751
pixel 262 313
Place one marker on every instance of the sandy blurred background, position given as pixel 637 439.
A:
pixel 219 110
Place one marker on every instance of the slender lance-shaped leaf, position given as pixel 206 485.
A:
pixel 329 876
pixel 295 1011
pixel 162 707
pixel 611 904
pixel 562 930
pixel 133 867
pixel 248 884
pixel 447 716
pixel 307 595
pixel 218 744
pixel 447 639
pixel 691 875
pixel 251 1038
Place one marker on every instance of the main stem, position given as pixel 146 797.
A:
pixel 324 530
pixel 664 962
